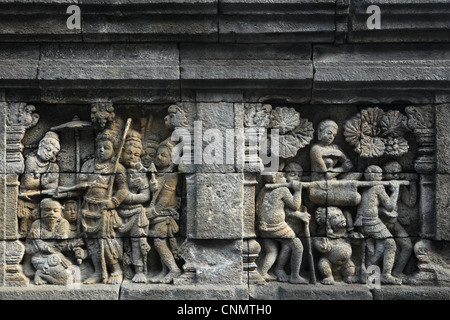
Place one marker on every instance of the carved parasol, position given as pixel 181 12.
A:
pixel 76 124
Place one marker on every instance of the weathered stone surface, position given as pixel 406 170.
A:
pixel 411 293
pixel 211 261
pixel 132 291
pixel 364 73
pixel 215 212
pixel 274 22
pixel 69 65
pixel 243 66
pixel 47 292
pixel 33 21
pixel 149 28
pixel 442 219
pixel 442 119
pixel 278 291
pixel 19 62
pixel 401 21
pixel 218 136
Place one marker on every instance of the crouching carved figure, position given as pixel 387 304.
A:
pixel 336 249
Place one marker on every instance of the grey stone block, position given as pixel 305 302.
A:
pixel 132 291
pixel 215 207
pixel 33 21
pixel 364 73
pixel 176 28
pixel 245 66
pixel 122 65
pixel 401 21
pixel 277 21
pixel 411 293
pixel 442 218
pixel 73 292
pixel 283 291
pixel 18 65
pixel 442 119
pixel 211 261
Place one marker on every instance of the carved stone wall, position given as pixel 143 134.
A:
pixel 224 150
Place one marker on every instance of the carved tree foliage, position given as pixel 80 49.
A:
pixel 374 133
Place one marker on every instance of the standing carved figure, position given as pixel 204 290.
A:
pixel 99 217
pixel 41 177
pixel 272 228
pixel 408 195
pixel 164 211
pixel 371 225
pixel 135 222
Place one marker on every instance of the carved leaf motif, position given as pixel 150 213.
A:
pixel 285 119
pixel 396 146
pixel 393 124
pixel 370 121
pixel 304 132
pixel 288 146
pixel 352 130
pixel 371 147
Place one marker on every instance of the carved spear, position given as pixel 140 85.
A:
pixel 109 195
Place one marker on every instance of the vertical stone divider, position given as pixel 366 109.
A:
pixel 2 189
pixel 421 120
pixel 17 118
pixel 214 223
pixel 442 118
pixel 247 160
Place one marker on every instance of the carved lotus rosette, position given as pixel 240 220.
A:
pixel 374 133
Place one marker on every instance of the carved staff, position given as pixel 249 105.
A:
pixel 109 195
pixel 310 255
pixel 335 183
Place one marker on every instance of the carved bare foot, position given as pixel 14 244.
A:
pixel 170 276
pixel 269 277
pixel 389 279
pixel 115 278
pixel 328 281
pixel 38 280
pixel 349 279
pixel 282 275
pixel 158 277
pixel 296 279
pixel 139 278
pixel 93 279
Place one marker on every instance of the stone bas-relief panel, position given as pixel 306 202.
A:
pixel 94 195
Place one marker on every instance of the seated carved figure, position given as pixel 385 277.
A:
pixel 46 241
pixel 272 228
pixel 327 159
pixel 336 248
pixel 41 176
pixel 330 166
